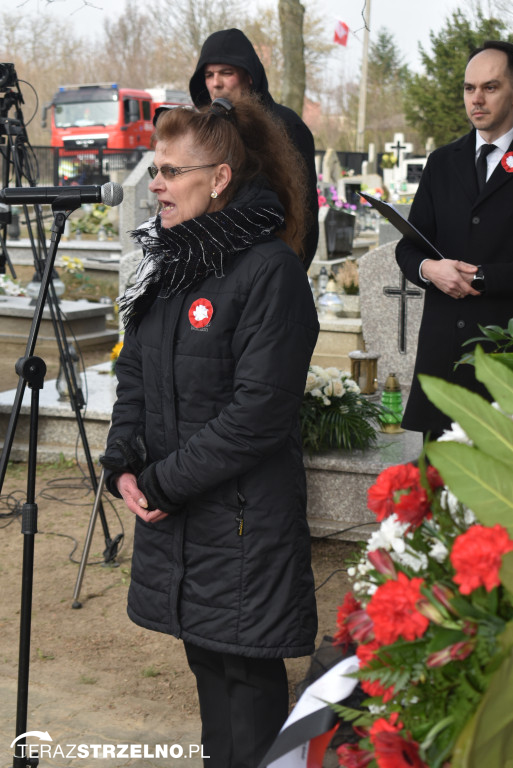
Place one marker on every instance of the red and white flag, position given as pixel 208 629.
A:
pixel 341 33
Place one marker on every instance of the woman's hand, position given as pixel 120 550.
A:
pixel 135 500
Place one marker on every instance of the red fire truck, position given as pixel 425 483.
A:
pixel 105 116
pixel 99 128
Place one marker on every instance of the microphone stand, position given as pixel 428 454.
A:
pixel 31 371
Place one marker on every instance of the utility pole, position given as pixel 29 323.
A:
pixel 362 101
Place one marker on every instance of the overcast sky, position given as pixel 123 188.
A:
pixel 410 21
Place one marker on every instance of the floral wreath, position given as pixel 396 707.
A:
pixel 430 611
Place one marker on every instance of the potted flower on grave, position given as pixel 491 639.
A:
pixel 431 607
pixel 339 222
pixel 334 414
pixel 11 287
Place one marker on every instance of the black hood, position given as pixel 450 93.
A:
pixel 228 46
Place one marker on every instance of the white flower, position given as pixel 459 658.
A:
pixel 456 435
pixel 10 288
pixel 410 558
pixel 377 709
pixel 439 551
pixel 461 514
pixel 352 386
pixel 311 381
pixel 390 536
pixel 316 393
pixel 364 567
pixel 469 517
pixel 338 388
pixel 328 388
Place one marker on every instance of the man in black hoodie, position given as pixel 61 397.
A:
pixel 228 66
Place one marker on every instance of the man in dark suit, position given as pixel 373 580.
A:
pixel 228 66
pixel 471 224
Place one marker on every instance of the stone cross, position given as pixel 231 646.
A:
pixel 381 317
pixel 403 294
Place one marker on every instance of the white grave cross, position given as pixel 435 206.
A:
pixel 398 146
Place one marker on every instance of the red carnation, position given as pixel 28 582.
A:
pixel 477 557
pixel 350 605
pixel 383 495
pixel 413 507
pixel 366 651
pixel 393 751
pixel 392 609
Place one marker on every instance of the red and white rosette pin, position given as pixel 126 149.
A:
pixel 507 162
pixel 200 313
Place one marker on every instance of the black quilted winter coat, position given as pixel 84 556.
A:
pixel 219 411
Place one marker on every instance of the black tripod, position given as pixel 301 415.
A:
pixel 31 371
pixel 17 156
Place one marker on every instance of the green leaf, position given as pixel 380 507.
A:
pixel 497 378
pixel 489 429
pixel 443 637
pixel 481 482
pixel 506 572
pixel 491 743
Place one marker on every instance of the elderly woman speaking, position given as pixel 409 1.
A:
pixel 204 445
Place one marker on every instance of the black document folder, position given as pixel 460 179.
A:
pixel 405 227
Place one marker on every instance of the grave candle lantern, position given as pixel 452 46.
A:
pixel 364 370
pixel 391 398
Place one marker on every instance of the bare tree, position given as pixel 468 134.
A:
pixel 291 14
pixel 46 54
pixel 129 50
pixel 180 28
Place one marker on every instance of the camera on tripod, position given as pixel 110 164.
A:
pixel 8 78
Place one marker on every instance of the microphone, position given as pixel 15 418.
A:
pixel 109 194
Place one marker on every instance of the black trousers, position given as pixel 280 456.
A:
pixel 243 705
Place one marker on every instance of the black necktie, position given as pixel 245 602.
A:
pixel 482 164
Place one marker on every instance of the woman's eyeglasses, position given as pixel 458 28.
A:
pixel 170 172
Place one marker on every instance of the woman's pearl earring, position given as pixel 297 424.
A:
pixel 213 194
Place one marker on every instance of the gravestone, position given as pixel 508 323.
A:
pixel 331 168
pixel 138 205
pixel 391 310
pixel 138 202
pixel 387 232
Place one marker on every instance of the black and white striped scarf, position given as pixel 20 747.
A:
pixel 177 258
